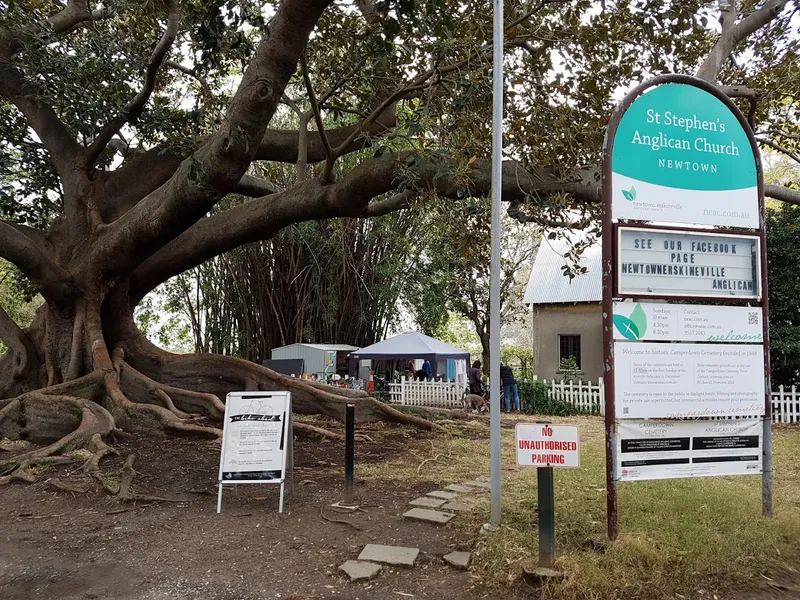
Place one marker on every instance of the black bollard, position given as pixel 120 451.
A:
pixel 349 451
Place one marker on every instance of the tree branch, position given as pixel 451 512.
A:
pixel 51 280
pixel 378 208
pixel 782 193
pixel 57 139
pixel 59 142
pixel 128 187
pixel 134 108
pixel 191 73
pixel 281 145
pixel 215 169
pixel 330 159
pixel 255 187
pixel 348 197
pixel 778 148
pixel 733 33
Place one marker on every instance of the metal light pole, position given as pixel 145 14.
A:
pixel 494 297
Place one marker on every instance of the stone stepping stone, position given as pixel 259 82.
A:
pixel 459 560
pixel 458 506
pixel 484 485
pixel 427 502
pixel 389 555
pixel 359 570
pixel 442 495
pixel 460 489
pixel 428 516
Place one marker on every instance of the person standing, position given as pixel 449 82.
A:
pixel 426 366
pixel 509 387
pixel 475 379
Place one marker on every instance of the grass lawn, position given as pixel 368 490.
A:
pixel 678 538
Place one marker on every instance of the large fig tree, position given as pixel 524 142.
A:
pixel 124 124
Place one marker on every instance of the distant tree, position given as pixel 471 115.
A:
pixel 783 257
pixel 521 356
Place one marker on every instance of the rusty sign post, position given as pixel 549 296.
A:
pixel 680 162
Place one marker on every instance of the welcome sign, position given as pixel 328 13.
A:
pixel 681 156
pixel 659 321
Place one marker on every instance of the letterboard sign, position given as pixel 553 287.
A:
pixel 687 264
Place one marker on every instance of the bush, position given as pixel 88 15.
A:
pixel 534 399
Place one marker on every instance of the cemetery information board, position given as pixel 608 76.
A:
pixel 675 381
pixel 670 449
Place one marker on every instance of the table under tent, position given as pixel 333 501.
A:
pixel 389 361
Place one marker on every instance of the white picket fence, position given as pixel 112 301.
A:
pixel 586 396
pixel 443 394
pixel 786 405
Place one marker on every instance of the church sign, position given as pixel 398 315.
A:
pixel 685 312
pixel 687 264
pixel 681 156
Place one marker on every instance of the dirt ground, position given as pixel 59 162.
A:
pixel 62 546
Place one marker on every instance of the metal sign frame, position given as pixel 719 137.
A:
pixel 288 453
pixel 608 271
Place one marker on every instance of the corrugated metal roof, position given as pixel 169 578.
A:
pixel 336 347
pixel 548 285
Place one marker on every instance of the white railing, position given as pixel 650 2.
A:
pixel 445 394
pixel 586 396
pixel 786 405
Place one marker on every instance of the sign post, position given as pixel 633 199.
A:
pixel 256 438
pixel 547 517
pixel 680 162
pixel 545 446
pixel 349 451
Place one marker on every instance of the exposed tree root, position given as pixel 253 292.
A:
pixel 222 374
pixel 65 487
pixel 301 427
pixel 94 420
pixel 126 411
pixel 124 494
pixel 177 399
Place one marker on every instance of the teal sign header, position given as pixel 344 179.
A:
pixel 680 136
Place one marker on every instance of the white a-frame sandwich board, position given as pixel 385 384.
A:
pixel 256 440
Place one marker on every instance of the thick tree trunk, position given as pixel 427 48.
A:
pixel 89 372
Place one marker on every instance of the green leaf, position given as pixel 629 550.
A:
pixel 639 319
pixel 626 327
pixel 630 195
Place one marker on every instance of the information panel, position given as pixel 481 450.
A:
pixel 670 264
pixel 256 440
pixel 254 437
pixel 674 381
pixel 658 321
pixel 671 449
